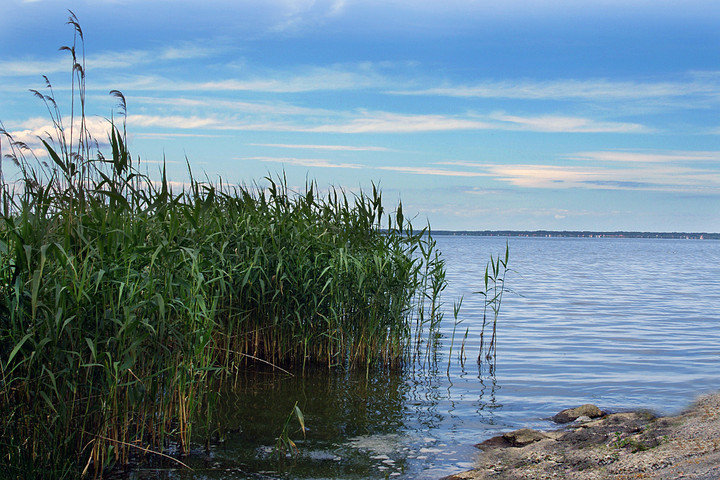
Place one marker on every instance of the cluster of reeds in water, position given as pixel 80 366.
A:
pixel 124 303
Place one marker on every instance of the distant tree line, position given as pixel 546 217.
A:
pixel 586 234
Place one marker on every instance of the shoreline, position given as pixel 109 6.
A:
pixel 625 445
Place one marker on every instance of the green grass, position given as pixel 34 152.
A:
pixel 124 304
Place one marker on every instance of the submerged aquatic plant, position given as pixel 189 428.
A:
pixel 284 444
pixel 124 305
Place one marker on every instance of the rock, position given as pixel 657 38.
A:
pixel 518 438
pixel 492 443
pixel 571 414
pixel 524 436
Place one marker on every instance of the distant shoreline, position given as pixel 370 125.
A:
pixel 579 234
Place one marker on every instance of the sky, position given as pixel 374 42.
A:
pixel 598 115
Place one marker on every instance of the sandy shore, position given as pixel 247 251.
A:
pixel 617 446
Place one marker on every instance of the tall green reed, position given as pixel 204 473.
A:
pixel 494 288
pixel 125 304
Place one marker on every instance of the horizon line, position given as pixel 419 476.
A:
pixel 631 233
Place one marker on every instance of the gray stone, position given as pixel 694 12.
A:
pixel 524 436
pixel 493 443
pixel 571 414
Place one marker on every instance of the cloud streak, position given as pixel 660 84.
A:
pixel 380 122
pixel 235 106
pixel 646 157
pixel 437 172
pixel 562 124
pixel 117 60
pixel 303 79
pixel 175 122
pixel 386 122
pixel 346 148
pixel 574 89
pixel 639 178
pixel 303 162
pixel 375 77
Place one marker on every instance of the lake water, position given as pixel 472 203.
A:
pixel 621 323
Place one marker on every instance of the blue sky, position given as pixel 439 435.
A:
pixel 545 114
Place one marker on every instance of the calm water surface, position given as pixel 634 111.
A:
pixel 622 323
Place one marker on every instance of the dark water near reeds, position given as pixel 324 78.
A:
pixel 622 323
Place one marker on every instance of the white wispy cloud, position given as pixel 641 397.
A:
pixel 32 130
pixel 186 51
pixel 303 162
pixel 157 135
pixel 175 121
pixel 557 124
pixel 324 163
pixel 348 148
pixel 277 107
pixel 439 172
pixel 546 176
pixel 573 89
pixel 635 176
pixel 364 122
pixel 386 122
pixel 482 191
pixel 392 78
pixel 200 122
pixel 376 122
pixel 296 15
pixel 646 157
pixel 33 67
pixel 112 60
pixel 310 79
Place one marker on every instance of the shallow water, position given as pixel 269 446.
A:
pixel 622 323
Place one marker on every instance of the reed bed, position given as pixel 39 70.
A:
pixel 123 304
